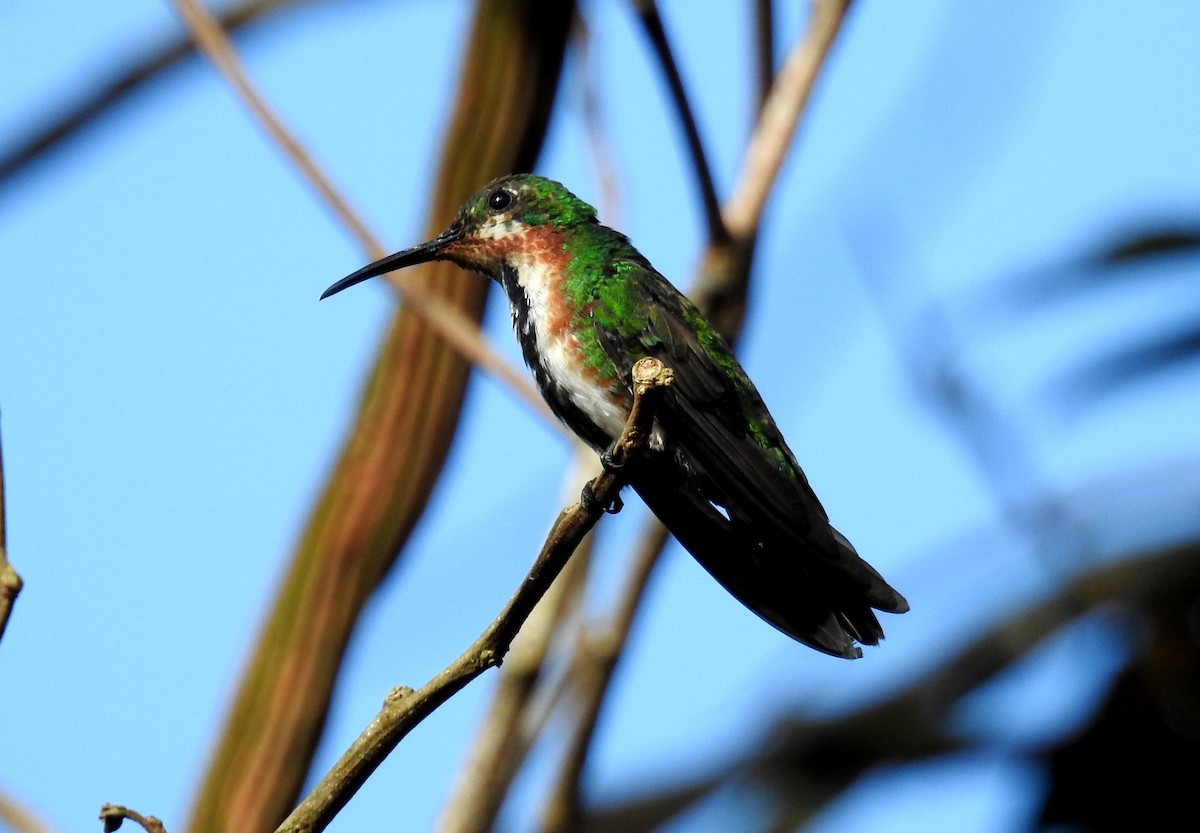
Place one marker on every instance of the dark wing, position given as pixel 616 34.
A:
pixel 734 496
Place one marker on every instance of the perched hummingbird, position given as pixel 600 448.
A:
pixel 585 306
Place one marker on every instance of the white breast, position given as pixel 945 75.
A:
pixel 560 353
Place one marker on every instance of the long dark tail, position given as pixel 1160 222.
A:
pixel 821 597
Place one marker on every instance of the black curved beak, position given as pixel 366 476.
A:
pixel 409 257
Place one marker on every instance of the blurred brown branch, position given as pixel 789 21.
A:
pixel 406 708
pixel 780 117
pixel 10 582
pixel 599 143
pixel 720 287
pixel 395 452
pixel 805 763
pixel 20 819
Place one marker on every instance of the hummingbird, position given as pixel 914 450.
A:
pixel 586 305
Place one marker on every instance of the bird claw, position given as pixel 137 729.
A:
pixel 587 497
pixel 609 462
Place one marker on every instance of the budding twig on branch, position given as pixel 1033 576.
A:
pixel 404 707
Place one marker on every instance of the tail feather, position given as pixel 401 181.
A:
pixel 821 598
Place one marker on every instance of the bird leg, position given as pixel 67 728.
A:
pixel 587 497
pixel 609 462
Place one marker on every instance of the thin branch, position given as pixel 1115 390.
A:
pixel 113 814
pixel 718 233
pixel 780 117
pixel 453 325
pixel 764 50
pixel 405 708
pixel 10 582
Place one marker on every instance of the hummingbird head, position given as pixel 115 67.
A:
pixel 511 218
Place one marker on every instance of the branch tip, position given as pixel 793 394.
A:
pixel 113 814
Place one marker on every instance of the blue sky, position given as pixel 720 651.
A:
pixel 173 394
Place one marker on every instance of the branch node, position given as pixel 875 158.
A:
pixel 113 814
pixel 396 695
pixel 649 372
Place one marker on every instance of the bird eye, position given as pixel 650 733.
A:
pixel 499 200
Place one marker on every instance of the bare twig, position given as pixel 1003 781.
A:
pixel 113 814
pixel 10 582
pixel 458 330
pixel 404 709
pixel 652 23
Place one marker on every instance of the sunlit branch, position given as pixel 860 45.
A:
pixel 405 708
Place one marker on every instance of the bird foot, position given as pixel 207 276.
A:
pixel 587 497
pixel 609 462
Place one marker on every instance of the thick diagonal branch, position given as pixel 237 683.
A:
pixel 405 708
